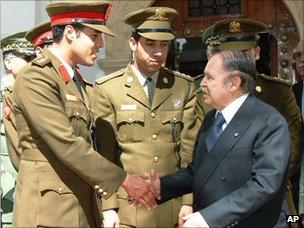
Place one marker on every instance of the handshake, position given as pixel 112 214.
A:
pixel 143 190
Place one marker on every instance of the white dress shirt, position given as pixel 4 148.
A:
pixel 64 63
pixel 143 78
pixel 230 110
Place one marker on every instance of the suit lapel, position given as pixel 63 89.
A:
pixel 163 88
pixel 134 88
pixel 230 136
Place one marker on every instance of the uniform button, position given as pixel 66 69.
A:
pixel 104 193
pixel 60 189
pixel 130 119
pixel 118 194
pixel 223 178
pixel 154 137
pixel 100 190
pixel 77 114
pixel 174 118
pixel 152 114
pixel 156 159
pixel 92 110
pixel 97 187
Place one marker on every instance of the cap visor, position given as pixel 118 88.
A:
pixel 157 35
pixel 101 28
pixel 240 46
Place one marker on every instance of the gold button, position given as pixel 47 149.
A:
pixel 60 189
pixel 130 119
pixel 174 118
pixel 92 110
pixel 100 190
pixel 104 193
pixel 152 114
pixel 97 187
pixel 77 114
pixel 154 137
pixel 156 159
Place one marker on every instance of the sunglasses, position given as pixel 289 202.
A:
pixel 297 55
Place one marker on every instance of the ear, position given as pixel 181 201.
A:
pixel 132 44
pixel 70 33
pixel 235 83
pixel 38 50
pixel 257 50
pixel 8 64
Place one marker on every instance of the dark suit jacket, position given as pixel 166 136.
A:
pixel 297 90
pixel 242 180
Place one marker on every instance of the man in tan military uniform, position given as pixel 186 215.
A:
pixel 61 177
pixel 16 53
pixel 40 36
pixel 242 34
pixel 150 109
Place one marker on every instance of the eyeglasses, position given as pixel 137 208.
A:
pixel 297 55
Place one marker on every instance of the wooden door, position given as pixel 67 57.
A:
pixel 188 54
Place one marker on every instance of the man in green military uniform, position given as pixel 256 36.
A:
pixel 61 177
pixel 151 111
pixel 242 34
pixel 16 53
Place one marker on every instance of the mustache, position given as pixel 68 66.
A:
pixel 205 90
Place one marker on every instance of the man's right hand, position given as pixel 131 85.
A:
pixel 138 190
pixel 185 210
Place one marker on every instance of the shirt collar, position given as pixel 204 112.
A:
pixel 143 78
pixel 64 63
pixel 230 110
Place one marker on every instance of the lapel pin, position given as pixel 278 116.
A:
pixel 236 134
pixel 165 80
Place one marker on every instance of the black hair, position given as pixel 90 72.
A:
pixel 59 30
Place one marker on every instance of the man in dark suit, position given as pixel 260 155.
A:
pixel 239 172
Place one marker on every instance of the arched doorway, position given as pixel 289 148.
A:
pixel 196 15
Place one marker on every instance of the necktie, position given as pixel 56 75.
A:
pixel 215 131
pixel 151 89
pixel 78 83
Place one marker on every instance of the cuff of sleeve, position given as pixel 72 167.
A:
pixel 188 199
pixel 110 203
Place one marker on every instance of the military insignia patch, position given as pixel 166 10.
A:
pixel 235 27
pixel 160 14
pixel 177 103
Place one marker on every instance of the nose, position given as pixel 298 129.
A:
pixel 99 41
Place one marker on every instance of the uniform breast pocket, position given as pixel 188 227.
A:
pixel 79 117
pixel 130 126
pixel 172 125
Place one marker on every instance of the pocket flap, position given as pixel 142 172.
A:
pixel 129 117
pixel 53 185
pixel 171 116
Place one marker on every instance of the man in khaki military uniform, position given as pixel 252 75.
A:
pixel 16 53
pixel 242 34
pixel 61 177
pixel 151 111
pixel 40 36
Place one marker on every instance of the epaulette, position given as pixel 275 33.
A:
pixel 41 61
pixel 176 73
pixel 110 76
pixel 275 79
